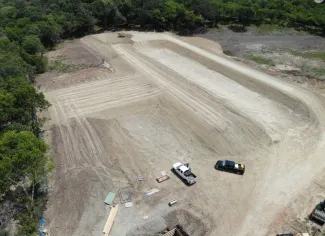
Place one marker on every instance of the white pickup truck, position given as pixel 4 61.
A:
pixel 184 171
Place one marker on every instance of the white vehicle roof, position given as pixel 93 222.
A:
pixel 183 168
pixel 177 164
pixel 180 166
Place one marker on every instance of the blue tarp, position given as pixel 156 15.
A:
pixel 41 226
pixel 42 223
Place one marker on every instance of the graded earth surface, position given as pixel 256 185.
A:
pixel 161 99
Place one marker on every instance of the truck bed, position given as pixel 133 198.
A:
pixel 191 176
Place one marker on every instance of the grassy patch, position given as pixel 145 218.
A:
pixel 265 28
pixel 276 30
pixel 261 60
pixel 314 71
pixel 59 46
pixel 312 55
pixel 216 29
pixel 320 55
pixel 59 65
pixel 98 28
pixel 237 27
pixel 220 29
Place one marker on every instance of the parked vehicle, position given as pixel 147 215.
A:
pixel 184 171
pixel 230 166
pixel 318 213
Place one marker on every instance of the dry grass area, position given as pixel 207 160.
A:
pixel 169 99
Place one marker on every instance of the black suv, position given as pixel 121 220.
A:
pixel 230 166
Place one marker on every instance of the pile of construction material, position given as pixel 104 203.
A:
pixel 110 220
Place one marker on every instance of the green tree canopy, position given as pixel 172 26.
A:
pixel 21 154
pixel 8 12
pixel 25 101
pixel 6 106
pixel 13 65
pixel 31 44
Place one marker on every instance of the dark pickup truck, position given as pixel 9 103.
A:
pixel 230 166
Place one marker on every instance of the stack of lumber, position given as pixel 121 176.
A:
pixel 162 178
pixel 110 220
pixel 151 192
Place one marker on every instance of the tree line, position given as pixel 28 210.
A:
pixel 51 20
pixel 23 159
pixel 30 27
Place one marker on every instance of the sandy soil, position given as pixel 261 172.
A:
pixel 171 99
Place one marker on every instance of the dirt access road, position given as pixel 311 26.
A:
pixel 171 99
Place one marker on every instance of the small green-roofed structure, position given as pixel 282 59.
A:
pixel 110 197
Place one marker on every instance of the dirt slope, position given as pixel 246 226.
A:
pixel 168 101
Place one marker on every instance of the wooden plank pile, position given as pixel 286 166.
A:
pixel 110 220
pixel 151 192
pixel 163 178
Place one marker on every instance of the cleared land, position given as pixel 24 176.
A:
pixel 169 99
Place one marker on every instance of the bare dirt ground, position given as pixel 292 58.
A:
pixel 171 99
pixel 252 41
pixel 287 52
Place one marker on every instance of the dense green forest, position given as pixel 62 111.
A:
pixel 29 28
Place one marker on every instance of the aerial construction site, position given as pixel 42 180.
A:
pixel 157 99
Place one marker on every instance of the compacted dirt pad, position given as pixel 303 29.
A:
pixel 167 100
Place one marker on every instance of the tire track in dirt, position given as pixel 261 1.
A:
pixel 208 114
pixel 76 102
pixel 232 122
pixel 129 89
pixel 220 120
pixel 70 146
pixel 67 152
pixel 97 83
pixel 115 99
pixel 72 138
pixel 310 100
pixel 93 134
pixel 90 144
pixel 266 113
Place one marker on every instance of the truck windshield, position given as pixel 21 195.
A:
pixel 187 173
